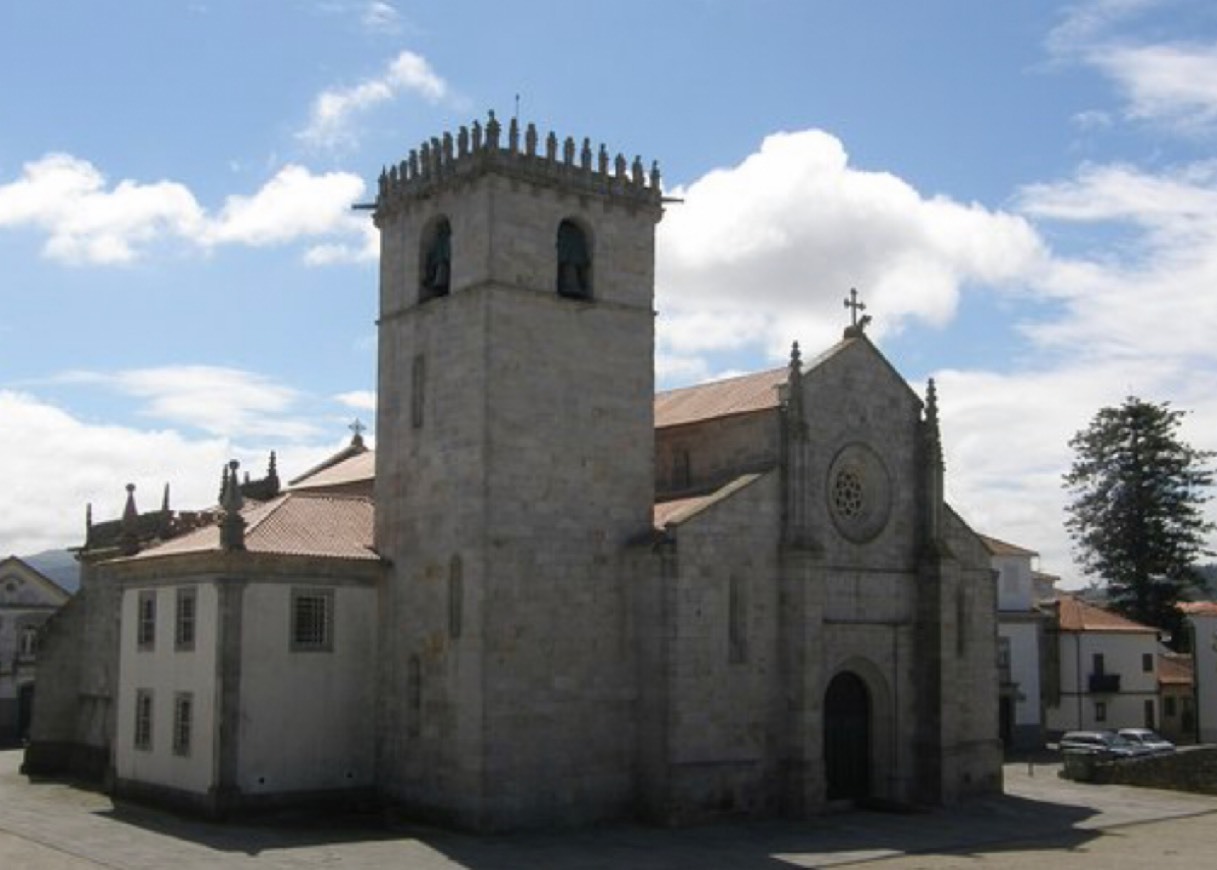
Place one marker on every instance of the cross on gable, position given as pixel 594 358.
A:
pixel 358 428
pixel 856 324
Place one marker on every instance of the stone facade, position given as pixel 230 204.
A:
pixel 591 602
pixel 608 663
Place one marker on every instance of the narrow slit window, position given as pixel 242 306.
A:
pixel 418 386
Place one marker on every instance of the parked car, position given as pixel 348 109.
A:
pixel 1104 744
pixel 1151 740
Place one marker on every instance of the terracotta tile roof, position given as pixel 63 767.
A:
pixel 739 395
pixel 1001 548
pixel 296 523
pixel 678 510
pixel 1077 615
pixel 358 468
pixel 1175 670
pixel 1198 608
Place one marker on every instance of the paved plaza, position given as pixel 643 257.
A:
pixel 1041 821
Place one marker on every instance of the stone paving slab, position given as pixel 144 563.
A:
pixel 45 825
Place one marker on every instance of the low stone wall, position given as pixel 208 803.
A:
pixel 1193 770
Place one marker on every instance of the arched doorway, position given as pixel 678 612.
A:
pixel 847 738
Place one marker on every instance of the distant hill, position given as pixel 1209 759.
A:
pixel 60 565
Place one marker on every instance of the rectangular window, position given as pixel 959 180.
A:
pixel 1003 654
pixel 1168 706
pixel 1147 662
pixel 143 719
pixel 418 382
pixel 1099 664
pixel 183 715
pixel 1150 716
pixel 1100 711
pixel 145 631
pixel 183 623
pixel 737 622
pixel 312 620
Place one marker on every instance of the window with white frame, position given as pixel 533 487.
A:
pixel 312 626
pixel 143 719
pixel 184 616
pixel 145 629
pixel 183 722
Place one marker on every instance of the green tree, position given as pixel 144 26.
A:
pixel 1135 516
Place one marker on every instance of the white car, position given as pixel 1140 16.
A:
pixel 1151 740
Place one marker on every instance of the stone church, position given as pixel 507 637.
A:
pixel 549 596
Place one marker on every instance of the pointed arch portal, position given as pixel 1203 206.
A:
pixel 847 737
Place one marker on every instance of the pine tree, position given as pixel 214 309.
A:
pixel 1135 515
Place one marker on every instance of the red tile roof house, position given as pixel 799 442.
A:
pixel 1101 670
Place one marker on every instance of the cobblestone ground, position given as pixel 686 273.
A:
pixel 1041 821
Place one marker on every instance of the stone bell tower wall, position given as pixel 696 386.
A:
pixel 514 463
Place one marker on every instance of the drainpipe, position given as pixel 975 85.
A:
pixel 1077 674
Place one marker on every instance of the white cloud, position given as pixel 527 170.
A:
pixel 1155 298
pixel 330 121
pixel 86 463
pixel 358 400
pixel 1169 83
pixel 767 250
pixel 219 401
pixel 88 221
pixel 381 17
pixel 294 204
pixel 1175 84
pixel 85 222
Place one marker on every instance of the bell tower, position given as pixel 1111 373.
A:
pixel 514 465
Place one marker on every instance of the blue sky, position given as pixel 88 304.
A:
pixel 1025 194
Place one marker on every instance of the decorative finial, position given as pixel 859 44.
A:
pixel 933 434
pixel 272 476
pixel 232 524
pixel 857 324
pixel 129 538
pixel 358 428
pixel 796 358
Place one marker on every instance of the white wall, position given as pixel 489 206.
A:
pixel 1122 652
pixel 1013 583
pixel 166 671
pixel 1205 652
pixel 1024 669
pixel 307 718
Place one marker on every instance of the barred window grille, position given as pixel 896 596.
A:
pixel 312 619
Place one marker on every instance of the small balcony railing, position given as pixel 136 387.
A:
pixel 1104 684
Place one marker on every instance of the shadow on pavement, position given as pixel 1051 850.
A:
pixel 998 823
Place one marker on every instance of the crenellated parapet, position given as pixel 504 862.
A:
pixel 479 149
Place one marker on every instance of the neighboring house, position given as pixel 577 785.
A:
pixel 1101 669
pixel 28 598
pixel 1202 618
pixel 576 599
pixel 1019 638
pixel 1176 697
